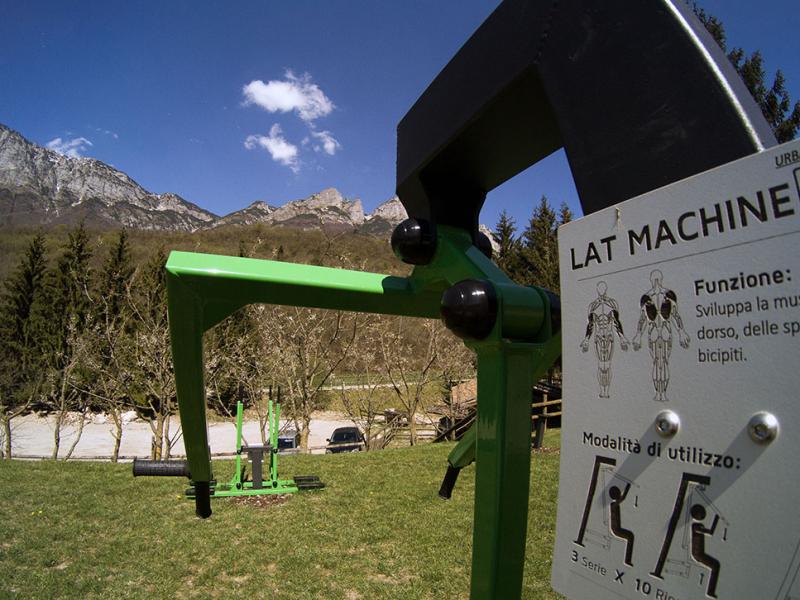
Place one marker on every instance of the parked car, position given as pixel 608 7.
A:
pixel 288 442
pixel 345 439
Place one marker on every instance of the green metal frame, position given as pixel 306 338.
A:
pixel 204 289
pixel 271 483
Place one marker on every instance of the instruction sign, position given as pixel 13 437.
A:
pixel 681 423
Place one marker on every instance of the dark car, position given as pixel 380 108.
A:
pixel 288 442
pixel 345 439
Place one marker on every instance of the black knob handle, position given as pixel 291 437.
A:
pixel 469 308
pixel 414 241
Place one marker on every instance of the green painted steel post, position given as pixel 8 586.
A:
pixel 507 372
pixel 273 441
pixel 269 419
pixel 502 470
pixel 239 418
pixel 237 477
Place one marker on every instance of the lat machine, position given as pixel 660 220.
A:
pixel 638 95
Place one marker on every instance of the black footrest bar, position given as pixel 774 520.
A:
pixel 160 468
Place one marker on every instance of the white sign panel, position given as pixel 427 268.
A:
pixel 680 312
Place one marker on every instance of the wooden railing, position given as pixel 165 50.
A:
pixel 545 414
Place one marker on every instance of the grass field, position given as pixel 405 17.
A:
pixel 78 530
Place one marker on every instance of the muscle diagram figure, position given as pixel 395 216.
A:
pixel 659 315
pixel 604 323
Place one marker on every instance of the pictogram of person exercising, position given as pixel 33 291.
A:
pixel 615 521
pixel 659 314
pixel 698 547
pixel 604 323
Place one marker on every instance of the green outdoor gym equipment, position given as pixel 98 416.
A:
pixel 518 345
pixel 240 485
pixel 257 484
pixel 636 93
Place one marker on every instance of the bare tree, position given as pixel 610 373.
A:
pixel 408 361
pixel 361 401
pixel 153 361
pixel 310 346
pixel 258 360
pixel 65 378
pixel 455 364
pixel 13 404
pixel 109 362
pixel 153 385
pixel 10 410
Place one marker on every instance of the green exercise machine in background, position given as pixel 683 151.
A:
pixel 260 456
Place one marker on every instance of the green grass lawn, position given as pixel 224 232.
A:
pixel 90 530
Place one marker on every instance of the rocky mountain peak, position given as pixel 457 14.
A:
pixel 392 210
pixel 323 199
pixel 327 209
pixel 40 186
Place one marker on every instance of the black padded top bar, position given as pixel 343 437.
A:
pixel 637 93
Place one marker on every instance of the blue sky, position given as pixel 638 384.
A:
pixel 227 103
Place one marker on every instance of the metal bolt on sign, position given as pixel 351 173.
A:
pixel 667 423
pixel 763 427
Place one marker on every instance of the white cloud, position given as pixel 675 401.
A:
pixel 74 147
pixel 279 149
pixel 107 132
pixel 293 93
pixel 329 143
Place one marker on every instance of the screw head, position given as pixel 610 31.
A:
pixel 763 427
pixel 667 423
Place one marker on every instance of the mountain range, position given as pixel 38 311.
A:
pixel 41 187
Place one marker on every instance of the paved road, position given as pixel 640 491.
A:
pixel 33 437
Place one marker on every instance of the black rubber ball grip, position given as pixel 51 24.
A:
pixel 160 468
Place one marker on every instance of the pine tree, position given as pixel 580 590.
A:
pixel 153 286
pixel 540 248
pixel 21 292
pixel 116 278
pixel 19 353
pixel 66 295
pixel 776 106
pixel 508 256
pixel 111 330
pixel 564 214
pixel 62 317
pixel 774 101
